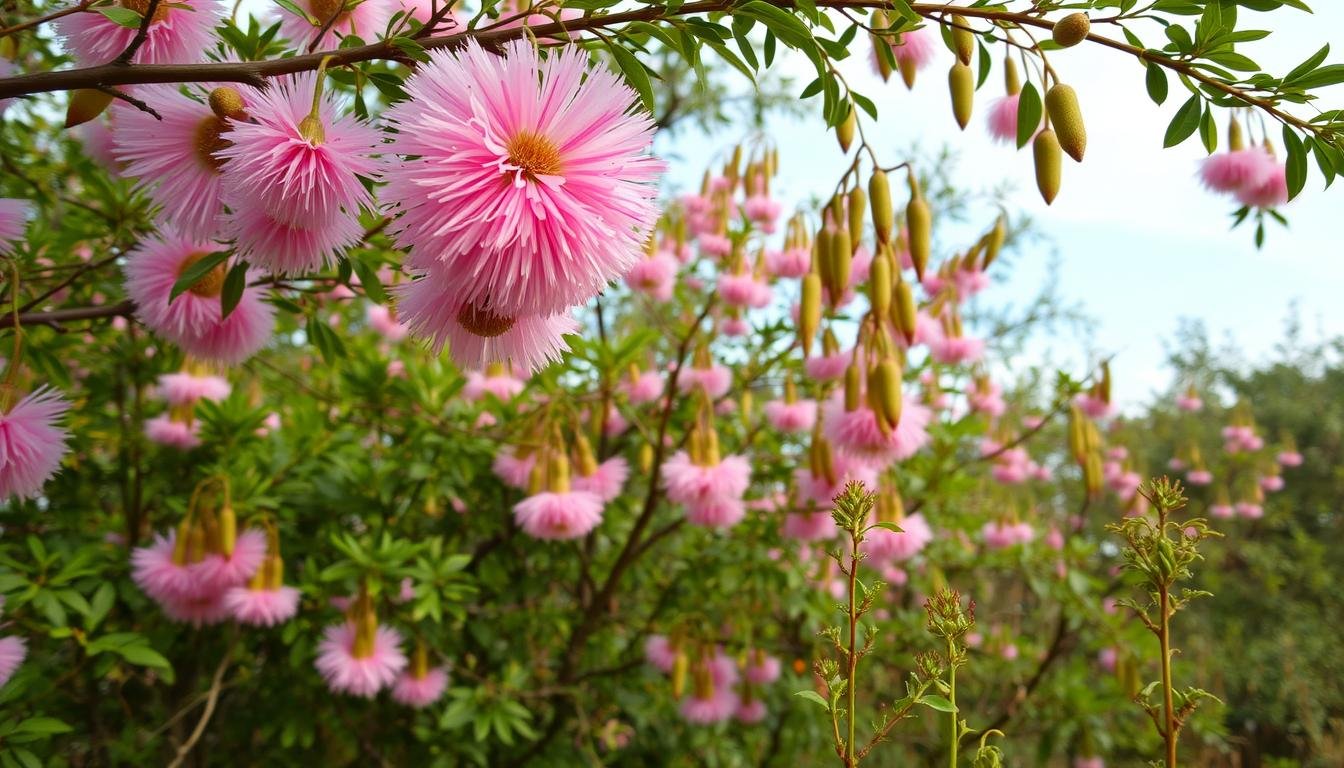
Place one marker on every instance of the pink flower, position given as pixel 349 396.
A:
pixel 659 652
pixel 955 350
pixel 808 526
pixel 380 319
pixel 644 389
pixel 827 367
pixel 155 570
pixel 606 483
pixel 1199 477
pixel 530 186
pixel 165 430
pixel 13 650
pixel 762 211
pixel 176 35
pixel 174 159
pixel 184 388
pixel 194 319
pixel 31 441
pixel 559 516
pixel 1000 535
pixel 761 668
pixel 420 692
pixel 1223 511
pixel 362 675
pixel 715 245
pixel 1237 170
pixel 714 380
pixel 262 607
pixel 13 219
pixel 1271 483
pixel 914 48
pixel 514 471
pixel 1088 762
pixel 987 398
pixel 655 276
pixel 791 418
pixel 499 384
pixel 712 494
pixel 857 433
pixel 885 546
pixel 817 490
pixel 743 291
pixel 1271 193
pixel 790 262
pixel 198 610
pixel 476 337
pixel 1190 403
pixel 1003 119
pixel 286 247
pixel 1054 539
pixel 750 711
pixel 366 20
pixel 216 572
pixel 1250 510
pixel 1095 407
pixel 715 708
pixel 1290 459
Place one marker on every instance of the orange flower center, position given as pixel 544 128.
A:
pixel 534 153
pixel 482 322
pixel 209 140
pixel 140 6
pixel 211 284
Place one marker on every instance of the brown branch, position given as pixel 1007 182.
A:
pixel 83 270
pixel 54 15
pixel 55 317
pixel 129 99
pixel 1056 650
pixel 216 684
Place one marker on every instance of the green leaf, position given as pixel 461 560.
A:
pixel 368 280
pixel 293 8
pixel 410 48
pixel 1330 75
pixel 191 275
pixel 1185 122
pixel 1156 80
pixel 938 702
pixel 42 726
pixel 1208 131
pixel 144 656
pixel 635 74
pixel 1028 114
pixel 785 25
pixel 1296 162
pixel 234 283
pixel 889 525
pixel 814 697
pixel 122 16
pixel 1310 64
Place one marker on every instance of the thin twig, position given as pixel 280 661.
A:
pixel 129 99
pixel 216 684
pixel 141 35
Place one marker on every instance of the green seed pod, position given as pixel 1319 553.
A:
pixel 1235 140
pixel 1061 103
pixel 1049 164
pixel 909 69
pixel 961 84
pixel 1012 81
pixel 919 226
pixel 963 39
pixel 1071 30
pixel 880 21
pixel 889 388
pixel 876 402
pixel 809 311
pixel 842 257
pixel 879 199
pixel 853 387
pixel 879 284
pixel 825 262
pixel 85 105
pixel 844 132
pixel 994 242
pixel 858 209
pixel 904 311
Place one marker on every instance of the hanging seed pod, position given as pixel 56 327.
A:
pixel 879 199
pixel 824 261
pixel 228 529
pixel 961 84
pixel 842 258
pixel 826 461
pixel 844 132
pixel 909 69
pixel 857 206
pixel 1012 81
pixel 889 389
pixel 1077 435
pixel 994 241
pixel 873 395
pixel 853 387
pixel 1235 140
pixel 1093 477
pixel 1105 383
pixel 880 22
pixel 646 457
pixel 1061 103
pixel 919 229
pixel 1071 30
pixel 809 311
pixel 963 39
pixel 1049 164
pixel 879 284
pixel 85 105
pixel 680 664
pixel 904 312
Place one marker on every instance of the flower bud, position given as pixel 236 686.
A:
pixel 919 228
pixel 963 39
pixel 961 83
pixel 879 199
pixel 842 258
pixel 1071 30
pixel 844 132
pixel 994 242
pixel 1061 104
pixel 228 529
pixel 680 663
pixel 1049 164
pixel 1235 140
pixel 873 394
pixel 85 105
pixel 809 311
pixel 889 389
pixel 904 312
pixel 858 208
pixel 227 103
pixel 646 457
pixel 880 22
pixel 1012 81
pixel 909 69
pixel 879 284
pixel 853 388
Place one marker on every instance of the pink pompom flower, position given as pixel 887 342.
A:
pixel 713 380
pixel 180 32
pixel 1270 193
pixel 366 19
pixel 161 571
pixel 419 691
pixel 360 663
pixel 186 388
pixel 513 469
pixel 193 320
pixel 1237 170
pixel 654 276
pixel 791 418
pixel 174 433
pixel 645 387
pixel 13 219
pixel 496 381
pixel 262 607
pixel 857 432
pixel 808 526
pixel 710 492
pixel 607 481
pixel 530 184
pixel 559 515
pixel 1003 119
pixel 382 321
pixel 660 652
pixel 790 262
pixel 13 650
pixel 32 441
pixel 1290 459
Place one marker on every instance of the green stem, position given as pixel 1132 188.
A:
pixel 952 697
pixel 850 761
pixel 1164 637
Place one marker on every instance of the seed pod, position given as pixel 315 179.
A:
pixel 1235 141
pixel 919 228
pixel 909 69
pixel 1093 477
pixel 228 529
pixel 744 407
pixel 227 103
pixel 904 311
pixel 963 39
pixel 844 132
pixel 1049 164
pixel 879 284
pixel 826 460
pixel 879 199
pixel 880 22
pixel 824 263
pixel 961 83
pixel 85 105
pixel 809 311
pixel 1061 103
pixel 1012 81
pixel 889 388
pixel 842 257
pixel 646 457
pixel 1105 383
pixel 853 387
pixel 680 663
pixel 858 209
pixel 994 242
pixel 1077 435
pixel 1071 30
pixel 873 394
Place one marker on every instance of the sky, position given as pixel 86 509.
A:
pixel 1138 243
